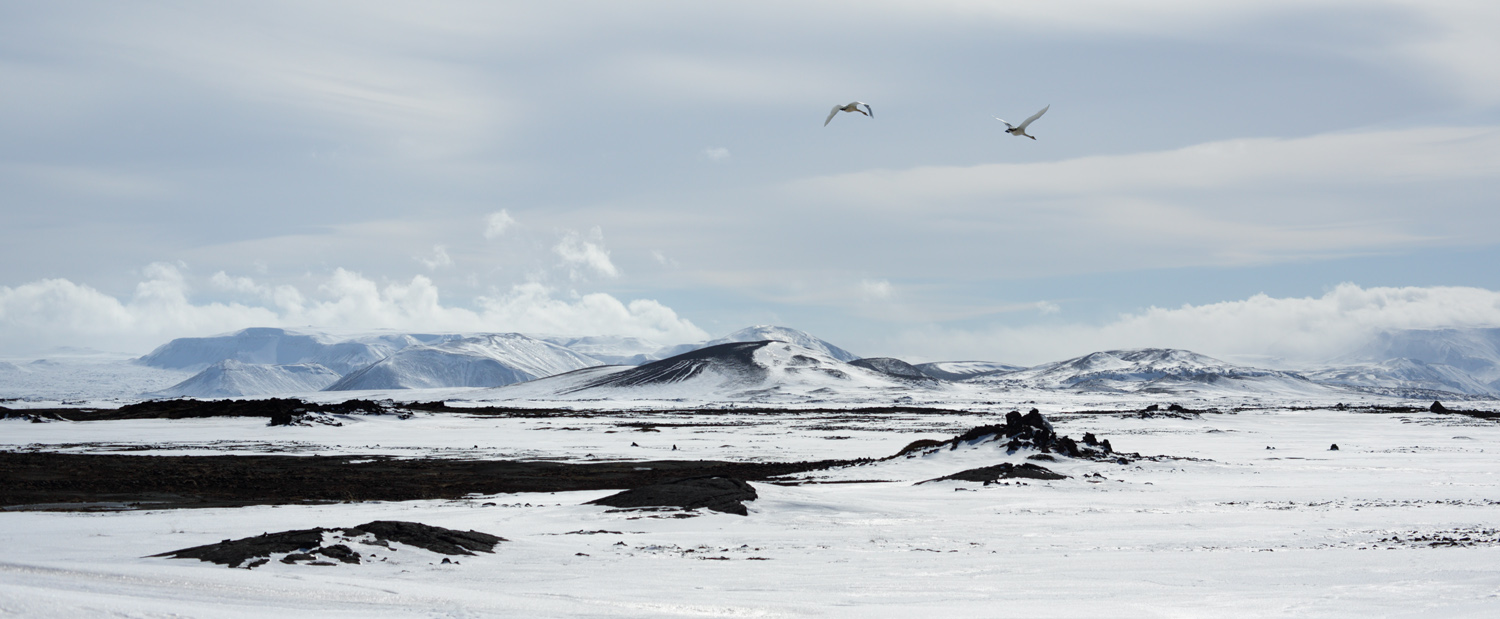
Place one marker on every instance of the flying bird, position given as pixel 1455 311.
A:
pixel 852 107
pixel 1021 128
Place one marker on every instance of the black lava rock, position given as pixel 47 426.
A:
pixel 1004 470
pixel 1029 431
pixel 303 544
pixel 1437 407
pixel 720 494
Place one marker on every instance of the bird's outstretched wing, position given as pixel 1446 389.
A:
pixel 1007 123
pixel 832 113
pixel 1035 116
pixel 868 109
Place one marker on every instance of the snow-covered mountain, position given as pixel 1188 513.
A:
pixel 488 360
pixel 963 370
pixel 1152 370
pixel 1402 377
pixel 1476 352
pixel 230 378
pixel 892 366
pixel 761 333
pixel 735 371
pixel 610 349
pixel 274 346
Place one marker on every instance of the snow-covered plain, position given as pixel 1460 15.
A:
pixel 1225 528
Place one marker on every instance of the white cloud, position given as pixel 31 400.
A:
pixel 580 253
pixel 875 289
pixel 662 259
pixel 495 224
pixel 438 259
pixel 716 154
pixel 56 312
pixel 1297 330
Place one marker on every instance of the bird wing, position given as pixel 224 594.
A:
pixel 832 113
pixel 868 109
pixel 1035 116
pixel 1007 123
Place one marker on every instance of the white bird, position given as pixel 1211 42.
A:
pixel 1021 128
pixel 852 107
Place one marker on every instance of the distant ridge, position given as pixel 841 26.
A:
pixel 763 371
pixel 230 378
pixel 276 346
pixel 1152 370
pixel 490 360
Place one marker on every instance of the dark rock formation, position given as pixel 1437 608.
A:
pixel 1333 447
pixel 1005 470
pixel 1029 431
pixel 303 546
pixel 721 494
pixel 1437 407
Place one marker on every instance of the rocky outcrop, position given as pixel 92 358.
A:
pixel 720 494
pixel 307 545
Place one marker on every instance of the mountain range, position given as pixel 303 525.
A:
pixel 267 361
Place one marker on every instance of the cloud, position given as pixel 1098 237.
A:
pixel 662 259
pixel 582 254
pixel 717 154
pixel 1378 158
pixel 875 289
pixel 1230 202
pixel 1297 331
pixel 56 312
pixel 495 224
pixel 439 258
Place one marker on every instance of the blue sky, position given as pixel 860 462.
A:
pixel 660 169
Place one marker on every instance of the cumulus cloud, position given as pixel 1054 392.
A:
pixel 57 312
pixel 496 223
pixel 586 254
pixel 1295 331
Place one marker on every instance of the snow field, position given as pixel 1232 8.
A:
pixel 1295 530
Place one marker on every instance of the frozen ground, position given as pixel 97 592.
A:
pixel 1228 528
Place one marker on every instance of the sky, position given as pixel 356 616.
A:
pixel 1240 178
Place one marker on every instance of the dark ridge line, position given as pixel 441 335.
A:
pixel 53 481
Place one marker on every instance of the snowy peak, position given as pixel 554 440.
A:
pixel 1402 377
pixel 611 349
pixel 733 371
pixel 230 378
pixel 1474 351
pixel 964 370
pixel 761 333
pixel 1150 369
pixel 274 346
pixel 489 360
